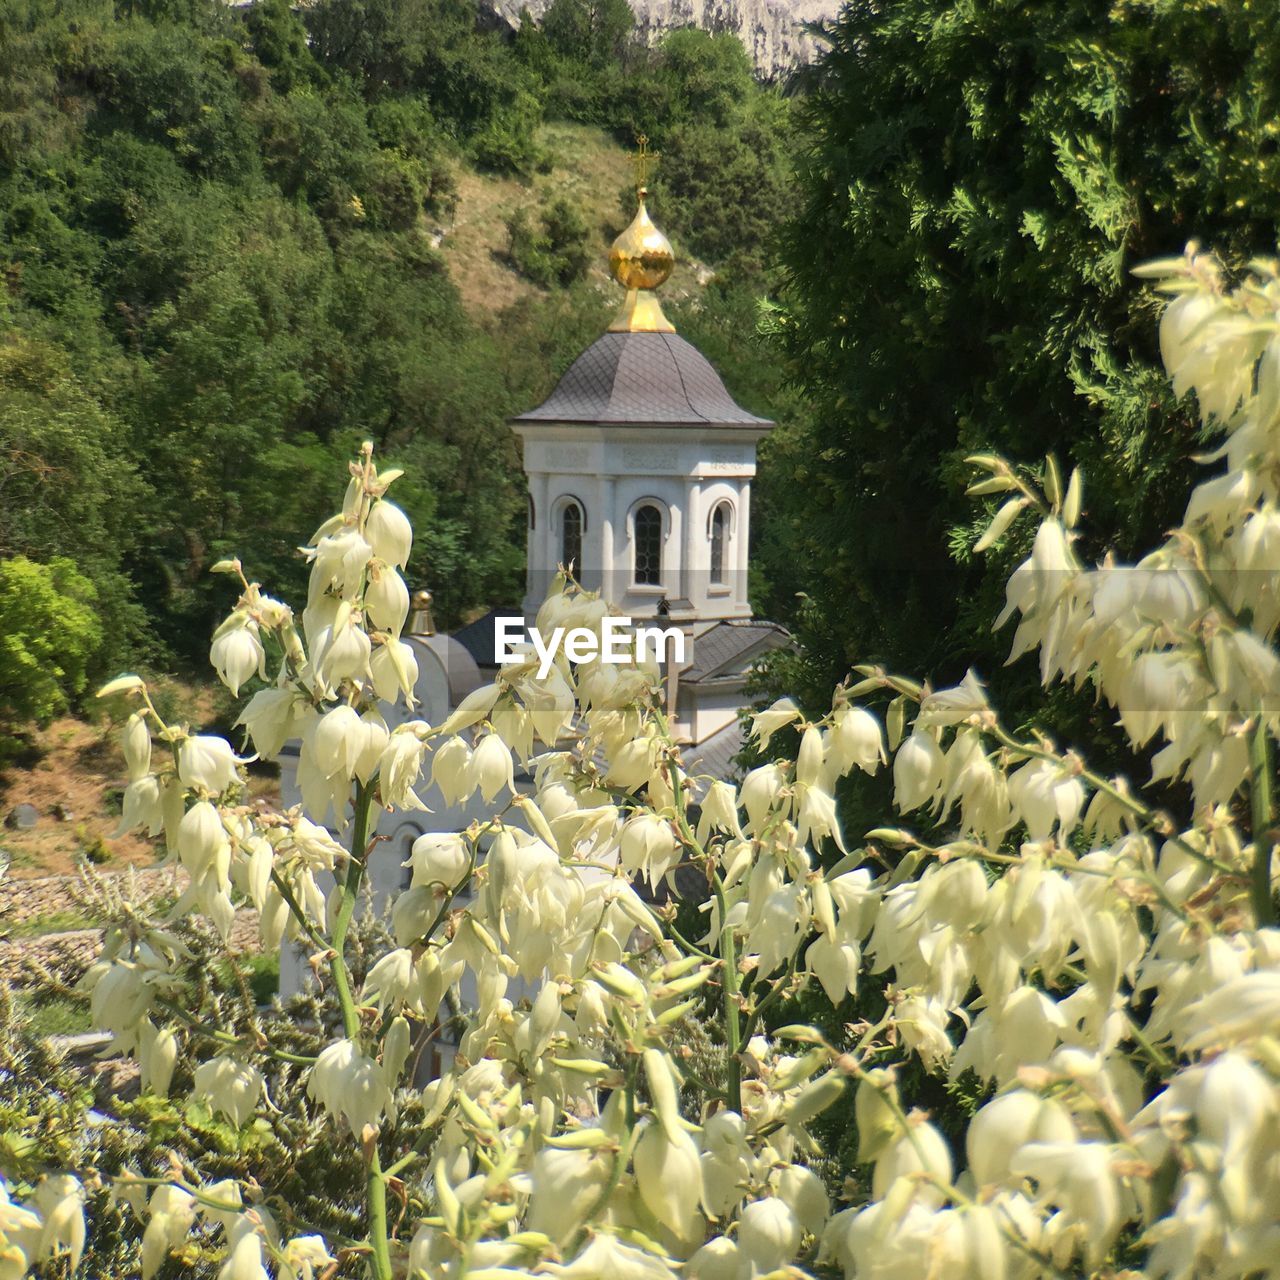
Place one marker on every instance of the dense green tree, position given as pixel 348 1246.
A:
pixel 549 247
pixel 594 32
pixel 70 492
pixel 981 179
pixel 279 41
pixel 214 245
pixel 50 634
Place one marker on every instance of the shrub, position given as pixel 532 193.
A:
pixel 49 636
pixel 553 250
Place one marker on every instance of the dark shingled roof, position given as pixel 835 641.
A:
pixel 720 649
pixel 715 755
pixel 642 378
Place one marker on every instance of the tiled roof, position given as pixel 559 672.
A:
pixel 714 756
pixel 478 637
pixel 642 378
pixel 719 649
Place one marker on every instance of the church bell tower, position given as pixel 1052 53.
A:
pixel 640 463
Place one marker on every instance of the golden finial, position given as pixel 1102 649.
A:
pixel 421 623
pixel 640 260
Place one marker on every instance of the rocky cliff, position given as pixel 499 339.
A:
pixel 772 30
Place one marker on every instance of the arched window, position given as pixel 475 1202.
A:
pixel 571 537
pixel 719 542
pixel 533 513
pixel 648 546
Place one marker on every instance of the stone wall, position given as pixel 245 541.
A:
pixel 68 953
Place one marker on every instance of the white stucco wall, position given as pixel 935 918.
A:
pixel 610 471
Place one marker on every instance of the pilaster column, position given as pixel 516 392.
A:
pixel 692 585
pixel 742 557
pixel 606 538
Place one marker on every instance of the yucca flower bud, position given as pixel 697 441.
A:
pixel 855 739
pixel 136 743
pixel 452 771
pixel 349 1085
pixel 206 763
pixel 231 1087
pixel 812 755
pixel 386 599
pixel 768 1234
pixel 237 654
pixel 918 770
pixel 390 533
pixel 492 765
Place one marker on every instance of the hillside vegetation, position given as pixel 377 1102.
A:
pixel 232 246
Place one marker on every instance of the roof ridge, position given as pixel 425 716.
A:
pixel 684 386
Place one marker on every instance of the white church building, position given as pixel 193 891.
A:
pixel 639 467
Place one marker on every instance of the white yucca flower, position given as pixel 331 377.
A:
pixel 229 1086
pixel 349 1085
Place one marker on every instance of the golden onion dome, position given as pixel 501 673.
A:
pixel 640 260
pixel 641 256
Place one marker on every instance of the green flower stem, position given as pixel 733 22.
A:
pixel 346 909
pixel 1262 805
pixel 295 909
pixel 376 1184
pixel 228 1038
pixel 732 1027
pixel 728 946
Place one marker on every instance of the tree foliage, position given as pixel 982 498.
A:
pixel 978 183
pixel 214 237
pixel 50 633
